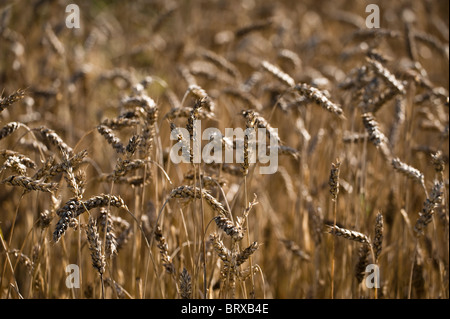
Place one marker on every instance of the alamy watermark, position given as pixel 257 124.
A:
pixel 73 17
pixel 373 19
pixel 373 277
pixel 73 277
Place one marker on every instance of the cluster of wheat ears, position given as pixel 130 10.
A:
pixel 86 179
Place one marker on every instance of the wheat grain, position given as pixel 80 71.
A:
pixel 372 128
pixel 319 97
pixel 30 184
pixel 387 76
pixel 408 171
pixel 378 238
pixel 348 234
pixel 107 227
pixel 234 231
pixel 10 128
pixel 185 285
pixel 163 249
pixel 95 246
pixel 54 139
pixel 11 99
pixel 295 249
pixel 246 253
pixel 190 192
pixel 425 217
pixel 363 260
pixel 111 138
pixel 283 77
pixel 334 179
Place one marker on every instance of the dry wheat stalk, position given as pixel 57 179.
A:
pixel 74 208
pixel 45 219
pixel 163 249
pixel 163 17
pixel 111 138
pixel 382 98
pixel 425 217
pixel 245 164
pixel 43 173
pixel 246 253
pixel 222 63
pixel 228 270
pixel 143 101
pixel 125 166
pixel 186 149
pixel 363 261
pixel 348 234
pixel 11 99
pixel 24 259
pixel 351 137
pixel 149 130
pixel 286 150
pixel 379 56
pixel 187 75
pixel 72 181
pixel 418 279
pixel 223 252
pixel 334 179
pixel 251 82
pixel 107 227
pixel 120 122
pixel 244 96
pixel 190 192
pixel 194 115
pixel 438 162
pixel 255 120
pixel 316 222
pixel 378 238
pixel 52 38
pixel 103 200
pixel 20 158
pixel 375 33
pixel 372 128
pixel 30 184
pixel 234 231
pixel 14 163
pixel 133 144
pixel 411 45
pixel 200 94
pixel 256 26
pixel 66 214
pixel 185 285
pixel 54 139
pixel 95 246
pixel 119 290
pixel 233 170
pixel 295 249
pixel 319 97
pixel 50 168
pixel 387 76
pixel 9 128
pixel 207 181
pixel 283 77
pixel 399 119
pixel 290 56
pixel 408 171
pixel 124 236
pixel 433 42
pixel 185 112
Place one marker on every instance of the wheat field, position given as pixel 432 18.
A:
pixel 93 206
